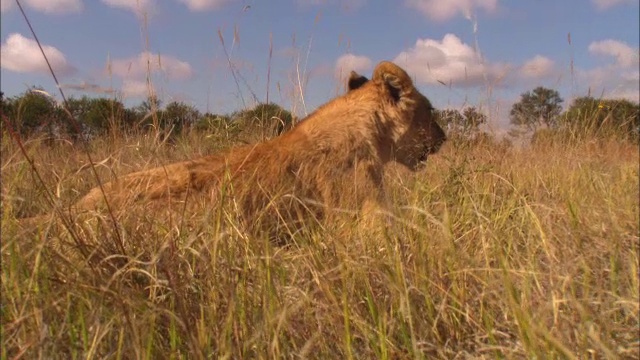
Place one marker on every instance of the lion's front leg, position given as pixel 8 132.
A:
pixel 375 210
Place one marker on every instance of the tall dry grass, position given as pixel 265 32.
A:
pixel 495 251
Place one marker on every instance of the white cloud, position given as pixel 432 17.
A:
pixel 348 62
pixel 56 6
pixel 605 4
pixel 611 82
pixel 440 10
pixel 6 5
pixel 448 61
pixel 345 4
pixel 619 79
pixel 21 54
pixel 631 76
pixel 625 55
pixel 138 7
pixel 46 6
pixel 137 67
pixel 135 88
pixel 204 5
pixel 311 2
pixel 133 72
pixel 88 87
pixel 538 67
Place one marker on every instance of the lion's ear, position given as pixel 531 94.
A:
pixel 355 81
pixel 397 80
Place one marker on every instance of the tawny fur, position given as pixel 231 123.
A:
pixel 333 159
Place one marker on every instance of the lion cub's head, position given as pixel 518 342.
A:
pixel 406 114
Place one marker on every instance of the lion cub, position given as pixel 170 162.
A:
pixel 330 163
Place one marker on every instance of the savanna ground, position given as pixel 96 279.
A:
pixel 496 251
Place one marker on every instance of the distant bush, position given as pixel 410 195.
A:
pixel 466 123
pixel 31 112
pixel 538 107
pixel 214 122
pixel 178 116
pixel 262 122
pixel 588 116
pixel 220 128
pixel 97 116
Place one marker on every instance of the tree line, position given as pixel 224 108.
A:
pixel 35 112
pixel 542 108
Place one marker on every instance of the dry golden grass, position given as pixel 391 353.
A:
pixel 496 251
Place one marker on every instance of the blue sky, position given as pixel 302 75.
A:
pixel 486 52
